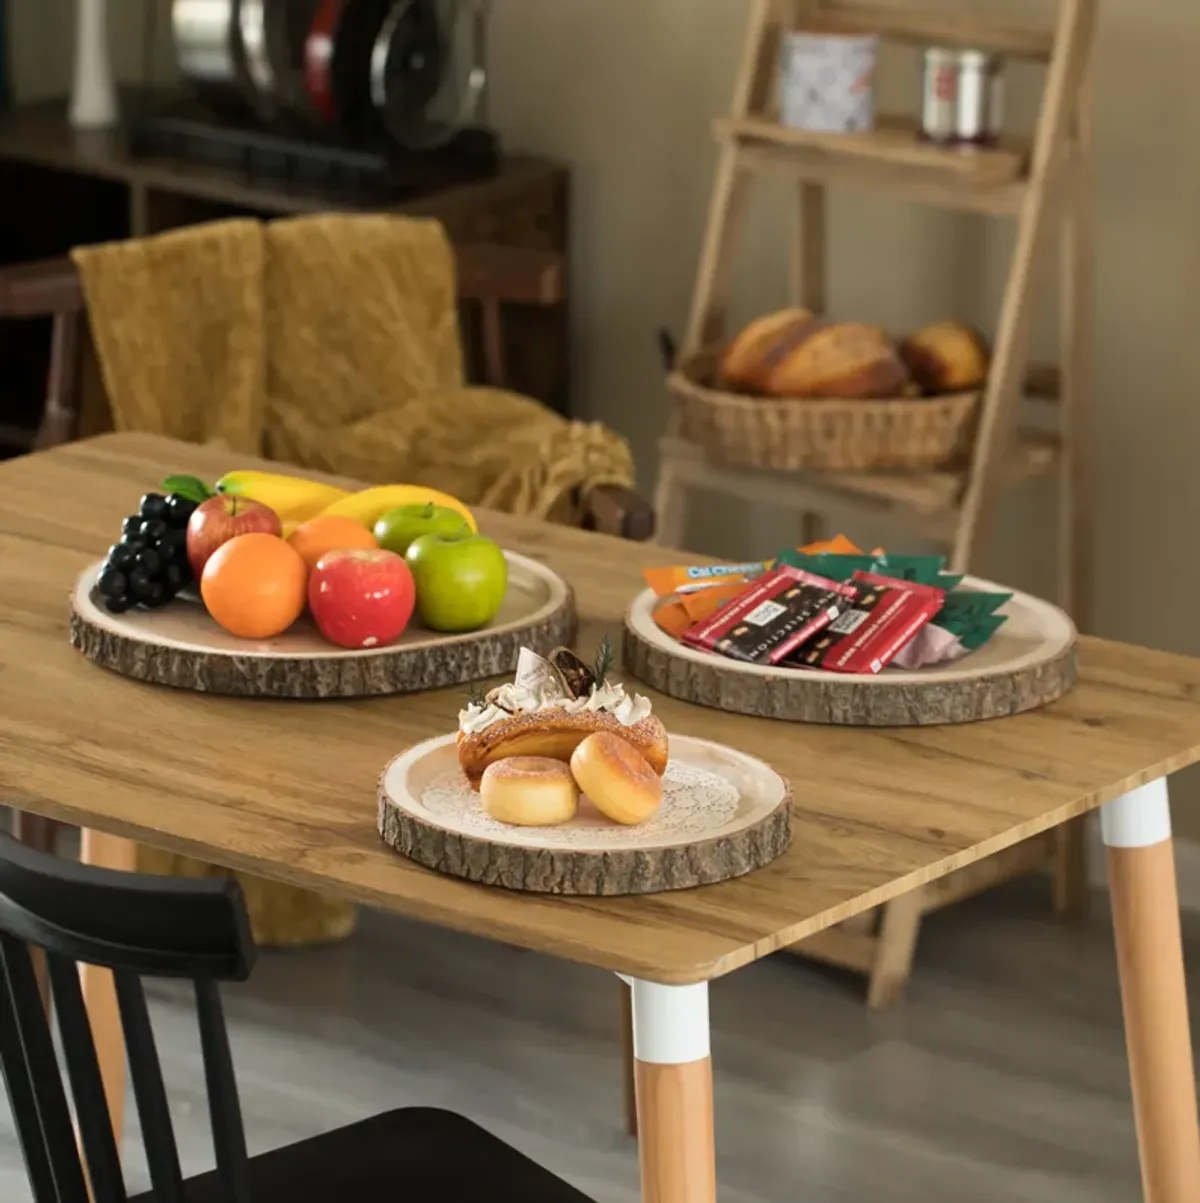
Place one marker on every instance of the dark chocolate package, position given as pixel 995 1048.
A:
pixel 775 614
pixel 884 616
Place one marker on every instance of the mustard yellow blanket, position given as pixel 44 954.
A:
pixel 330 342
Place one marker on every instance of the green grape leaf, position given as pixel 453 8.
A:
pixel 191 487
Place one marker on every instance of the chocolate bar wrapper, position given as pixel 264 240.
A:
pixel 884 617
pixel 775 614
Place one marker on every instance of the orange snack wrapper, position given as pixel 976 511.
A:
pixel 670 616
pixel 705 602
pixel 839 545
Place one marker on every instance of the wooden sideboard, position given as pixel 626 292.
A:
pixel 60 187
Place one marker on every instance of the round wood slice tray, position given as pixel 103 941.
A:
pixel 180 645
pixel 1029 662
pixel 723 814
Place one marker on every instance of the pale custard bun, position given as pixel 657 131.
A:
pixel 529 791
pixel 616 778
pixel 538 715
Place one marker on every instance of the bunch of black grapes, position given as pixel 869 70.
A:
pixel 149 566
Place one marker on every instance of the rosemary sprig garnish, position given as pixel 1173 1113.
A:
pixel 603 663
pixel 475 695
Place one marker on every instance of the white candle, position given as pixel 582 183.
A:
pixel 93 96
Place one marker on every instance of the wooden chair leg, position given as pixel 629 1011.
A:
pixel 897 944
pixel 628 1069
pixel 670 507
pixel 99 993
pixel 42 834
pixel 60 418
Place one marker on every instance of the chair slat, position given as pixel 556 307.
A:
pixel 225 1111
pixel 87 1086
pixel 20 1098
pixel 47 1136
pixel 162 1155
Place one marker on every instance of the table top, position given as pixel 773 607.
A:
pixel 287 790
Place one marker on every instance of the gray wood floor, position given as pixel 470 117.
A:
pixel 1000 1080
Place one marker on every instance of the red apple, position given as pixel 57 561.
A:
pixel 219 519
pixel 361 598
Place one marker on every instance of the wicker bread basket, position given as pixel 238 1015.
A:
pixel 897 434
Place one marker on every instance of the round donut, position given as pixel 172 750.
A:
pixel 529 791
pixel 616 777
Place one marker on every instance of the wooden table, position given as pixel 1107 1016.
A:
pixel 286 790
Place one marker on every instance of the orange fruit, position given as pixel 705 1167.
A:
pixel 329 532
pixel 255 585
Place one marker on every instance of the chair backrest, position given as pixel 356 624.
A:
pixel 132 924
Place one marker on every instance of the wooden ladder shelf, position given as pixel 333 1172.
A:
pixel 1040 182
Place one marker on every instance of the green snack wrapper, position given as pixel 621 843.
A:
pixel 831 567
pixel 979 632
pixel 921 570
pixel 964 607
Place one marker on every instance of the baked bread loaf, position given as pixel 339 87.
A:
pixel 529 791
pixel 616 778
pixel 793 354
pixel 751 355
pixel 946 357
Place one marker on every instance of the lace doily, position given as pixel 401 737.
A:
pixel 697 804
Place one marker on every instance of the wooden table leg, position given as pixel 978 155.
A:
pixel 1145 906
pixel 99 995
pixel 674 1093
pixel 628 1073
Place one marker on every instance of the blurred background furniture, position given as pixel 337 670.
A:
pixel 81 919
pixel 63 188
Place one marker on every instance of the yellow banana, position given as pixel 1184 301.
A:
pixel 369 505
pixel 293 498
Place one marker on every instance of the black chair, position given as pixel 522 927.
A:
pixel 166 927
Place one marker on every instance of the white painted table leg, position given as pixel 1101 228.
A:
pixel 674 1093
pixel 1145 905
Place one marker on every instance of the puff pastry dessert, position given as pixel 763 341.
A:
pixel 540 714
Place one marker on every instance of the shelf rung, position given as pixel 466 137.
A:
pixel 933 27
pixel 893 141
pixel 998 200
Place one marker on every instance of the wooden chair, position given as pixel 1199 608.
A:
pixel 491 276
pixel 163 927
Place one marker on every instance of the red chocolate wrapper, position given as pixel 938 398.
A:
pixel 884 617
pixel 774 615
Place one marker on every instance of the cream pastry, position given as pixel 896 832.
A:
pixel 536 715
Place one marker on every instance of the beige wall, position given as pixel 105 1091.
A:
pixel 624 91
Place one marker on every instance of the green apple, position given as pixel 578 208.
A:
pixel 397 529
pixel 461 579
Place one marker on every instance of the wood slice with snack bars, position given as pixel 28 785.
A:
pixel 830 634
pixel 561 782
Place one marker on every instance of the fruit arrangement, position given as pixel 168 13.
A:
pixel 795 353
pixel 262 548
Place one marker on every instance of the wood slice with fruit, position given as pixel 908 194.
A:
pixel 1029 662
pixel 722 814
pixel 182 646
pixel 321 593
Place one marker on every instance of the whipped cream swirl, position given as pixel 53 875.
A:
pixel 507 700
